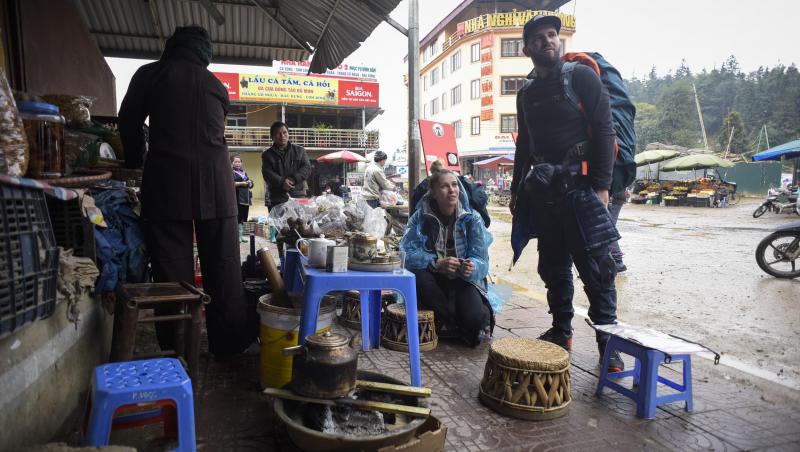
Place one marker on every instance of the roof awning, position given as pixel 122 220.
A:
pixel 496 162
pixel 253 32
pixel 788 150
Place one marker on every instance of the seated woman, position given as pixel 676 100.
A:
pixel 447 248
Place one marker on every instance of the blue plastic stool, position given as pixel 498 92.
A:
pixel 645 375
pixel 291 271
pixel 136 382
pixel 319 282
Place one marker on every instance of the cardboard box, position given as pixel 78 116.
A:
pixel 430 437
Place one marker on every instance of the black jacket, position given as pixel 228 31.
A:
pixel 187 174
pixel 278 165
pixel 243 194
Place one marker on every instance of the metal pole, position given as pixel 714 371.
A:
pixel 700 115
pixel 414 144
pixel 283 113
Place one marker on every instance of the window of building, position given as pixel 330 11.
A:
pixel 508 123
pixel 562 47
pixel 444 69
pixel 475 89
pixel 510 85
pixel 455 61
pixel 511 47
pixel 444 101
pixel 236 121
pixel 425 81
pixel 425 110
pixel 434 106
pixel 457 128
pixel 434 48
pixel 424 56
pixel 475 52
pixel 455 95
pixel 475 125
pixel 434 76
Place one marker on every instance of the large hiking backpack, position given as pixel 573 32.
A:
pixel 623 111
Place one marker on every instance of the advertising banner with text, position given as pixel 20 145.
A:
pixel 297 89
pixel 439 143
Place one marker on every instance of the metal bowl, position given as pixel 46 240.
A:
pixel 291 414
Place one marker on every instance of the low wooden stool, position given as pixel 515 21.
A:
pixel 394 334
pixel 351 307
pixel 526 379
pixel 133 297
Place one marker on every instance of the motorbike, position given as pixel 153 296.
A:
pixel 778 254
pixel 779 201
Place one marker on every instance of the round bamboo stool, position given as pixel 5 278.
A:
pixel 526 379
pixel 351 308
pixel 394 333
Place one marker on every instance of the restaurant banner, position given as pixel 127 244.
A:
pixel 439 143
pixel 296 89
pixel 487 99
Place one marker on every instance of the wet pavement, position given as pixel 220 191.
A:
pixel 728 415
pixel 692 272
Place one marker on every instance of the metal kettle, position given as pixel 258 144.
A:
pixel 325 366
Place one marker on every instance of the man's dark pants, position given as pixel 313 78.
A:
pixel 169 244
pixel 614 208
pixel 560 243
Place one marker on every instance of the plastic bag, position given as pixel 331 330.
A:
pixel 13 142
pixel 328 201
pixel 375 221
pixel 331 222
pixel 354 216
pixel 388 198
pixel 75 109
pixel 288 216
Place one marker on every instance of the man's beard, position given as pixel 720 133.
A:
pixel 545 60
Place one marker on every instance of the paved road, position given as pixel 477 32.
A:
pixel 692 273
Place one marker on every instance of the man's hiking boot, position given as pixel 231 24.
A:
pixel 558 337
pixel 615 363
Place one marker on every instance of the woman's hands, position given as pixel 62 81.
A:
pixel 455 266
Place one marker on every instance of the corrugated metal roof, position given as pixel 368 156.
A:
pixel 254 31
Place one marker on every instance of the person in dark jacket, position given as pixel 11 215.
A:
pixel 187 180
pixel 285 167
pixel 242 185
pixel 568 156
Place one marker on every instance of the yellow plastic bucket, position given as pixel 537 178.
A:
pixel 280 328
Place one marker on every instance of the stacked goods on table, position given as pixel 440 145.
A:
pixel 702 192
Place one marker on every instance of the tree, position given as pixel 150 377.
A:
pixel 683 71
pixel 677 116
pixel 646 125
pixel 739 140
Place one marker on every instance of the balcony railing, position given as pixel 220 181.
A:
pixel 308 138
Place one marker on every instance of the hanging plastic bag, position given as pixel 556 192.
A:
pixel 13 143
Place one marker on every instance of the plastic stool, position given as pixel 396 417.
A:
pixel 151 381
pixel 291 271
pixel 645 375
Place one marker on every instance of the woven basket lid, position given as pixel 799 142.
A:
pixel 529 354
pixel 398 311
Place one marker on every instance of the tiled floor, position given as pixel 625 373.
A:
pixel 232 415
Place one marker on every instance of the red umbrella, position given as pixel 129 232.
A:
pixel 342 156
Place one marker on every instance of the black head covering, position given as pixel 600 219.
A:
pixel 191 42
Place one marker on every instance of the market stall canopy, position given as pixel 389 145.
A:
pixel 496 162
pixel 696 162
pixel 341 156
pixel 789 150
pixel 242 31
pixel 654 156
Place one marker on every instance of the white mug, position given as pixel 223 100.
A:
pixel 317 250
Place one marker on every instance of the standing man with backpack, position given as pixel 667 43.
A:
pixel 565 159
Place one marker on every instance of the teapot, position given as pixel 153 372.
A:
pixel 317 250
pixel 325 366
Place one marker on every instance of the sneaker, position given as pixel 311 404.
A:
pixel 558 337
pixel 615 363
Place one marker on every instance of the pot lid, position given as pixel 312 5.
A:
pixel 327 340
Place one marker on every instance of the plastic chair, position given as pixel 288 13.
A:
pixel 645 376
pixel 117 386
pixel 319 282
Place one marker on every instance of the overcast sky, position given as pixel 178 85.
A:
pixel 634 35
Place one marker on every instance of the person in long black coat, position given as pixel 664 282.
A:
pixel 187 182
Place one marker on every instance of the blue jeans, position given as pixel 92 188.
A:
pixel 560 243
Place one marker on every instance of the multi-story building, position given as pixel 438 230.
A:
pixel 471 67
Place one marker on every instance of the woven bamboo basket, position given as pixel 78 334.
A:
pixel 394 331
pixel 526 379
pixel 351 308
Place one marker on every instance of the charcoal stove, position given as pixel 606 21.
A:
pixel 356 430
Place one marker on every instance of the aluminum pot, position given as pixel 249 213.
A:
pixel 325 366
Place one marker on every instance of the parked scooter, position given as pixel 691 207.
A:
pixel 779 200
pixel 779 253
